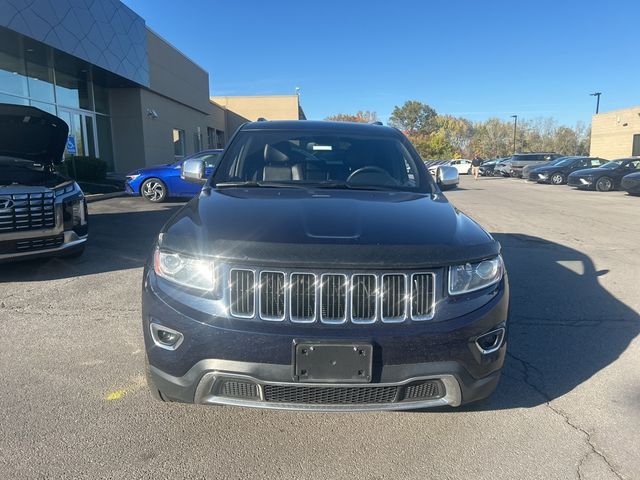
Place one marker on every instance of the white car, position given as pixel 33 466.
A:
pixel 462 165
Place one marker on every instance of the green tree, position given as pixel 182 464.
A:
pixel 413 117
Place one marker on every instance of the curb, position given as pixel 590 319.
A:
pixel 96 197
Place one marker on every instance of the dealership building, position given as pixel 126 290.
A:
pixel 616 134
pixel 129 96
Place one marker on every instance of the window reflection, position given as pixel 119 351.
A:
pixel 73 88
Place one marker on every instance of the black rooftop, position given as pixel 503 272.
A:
pixel 315 125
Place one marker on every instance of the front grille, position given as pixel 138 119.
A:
pixel 272 293
pixel 30 211
pixel 423 390
pixel 39 243
pixel 422 296
pixel 329 395
pixel 305 297
pixel 242 293
pixel 333 298
pixel 354 395
pixel 31 244
pixel 363 298
pixel 239 389
pixel 394 298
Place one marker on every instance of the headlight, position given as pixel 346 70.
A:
pixel 543 175
pixel 131 178
pixel 475 276
pixel 185 270
pixel 66 189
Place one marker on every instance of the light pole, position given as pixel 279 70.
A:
pixel 515 127
pixel 597 95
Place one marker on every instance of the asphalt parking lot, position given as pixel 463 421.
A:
pixel 74 402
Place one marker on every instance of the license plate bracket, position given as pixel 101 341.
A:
pixel 317 362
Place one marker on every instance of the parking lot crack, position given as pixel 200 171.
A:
pixel 538 386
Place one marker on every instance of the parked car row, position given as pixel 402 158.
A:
pixel 591 173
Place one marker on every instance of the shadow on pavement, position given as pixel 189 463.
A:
pixel 564 326
pixel 118 240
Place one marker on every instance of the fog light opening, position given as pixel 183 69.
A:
pixel 165 337
pixel 491 341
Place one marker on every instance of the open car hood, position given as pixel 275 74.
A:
pixel 31 134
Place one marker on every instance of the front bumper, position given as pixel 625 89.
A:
pixel 259 355
pixel 580 182
pixel 62 244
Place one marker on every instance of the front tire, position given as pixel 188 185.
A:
pixel 557 179
pixel 604 184
pixel 154 190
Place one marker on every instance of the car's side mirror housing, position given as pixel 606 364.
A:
pixel 447 177
pixel 193 171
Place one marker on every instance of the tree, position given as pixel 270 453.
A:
pixel 413 117
pixel 360 117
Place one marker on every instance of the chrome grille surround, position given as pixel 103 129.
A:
pixel 311 309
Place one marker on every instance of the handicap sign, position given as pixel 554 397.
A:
pixel 71 145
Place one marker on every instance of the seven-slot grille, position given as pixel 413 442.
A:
pixel 30 211
pixel 332 298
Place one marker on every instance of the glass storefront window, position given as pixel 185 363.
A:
pixel 73 87
pixel 39 71
pixel 13 78
pixel 12 99
pixel 178 143
pixel 47 107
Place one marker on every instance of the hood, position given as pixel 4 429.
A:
pixel 590 171
pixel 298 227
pixel 153 170
pixel 29 133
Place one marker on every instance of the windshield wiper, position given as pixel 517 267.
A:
pixel 254 184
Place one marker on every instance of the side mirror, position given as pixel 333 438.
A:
pixel 447 177
pixel 193 171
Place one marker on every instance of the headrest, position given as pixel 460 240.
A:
pixel 273 155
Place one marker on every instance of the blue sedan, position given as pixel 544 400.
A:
pixel 160 182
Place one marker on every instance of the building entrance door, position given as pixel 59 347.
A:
pixel 635 151
pixel 82 126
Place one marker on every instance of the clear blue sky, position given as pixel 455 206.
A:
pixel 472 58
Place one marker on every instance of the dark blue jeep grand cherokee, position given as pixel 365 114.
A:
pixel 322 269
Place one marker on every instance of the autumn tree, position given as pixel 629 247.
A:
pixel 365 116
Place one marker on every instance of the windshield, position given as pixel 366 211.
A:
pixel 306 158
pixel 563 161
pixel 612 165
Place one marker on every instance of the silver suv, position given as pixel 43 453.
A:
pixel 42 213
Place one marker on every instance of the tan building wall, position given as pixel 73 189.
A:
pixel 612 133
pixel 271 107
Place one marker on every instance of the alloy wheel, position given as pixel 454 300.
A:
pixel 153 190
pixel 557 179
pixel 604 184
